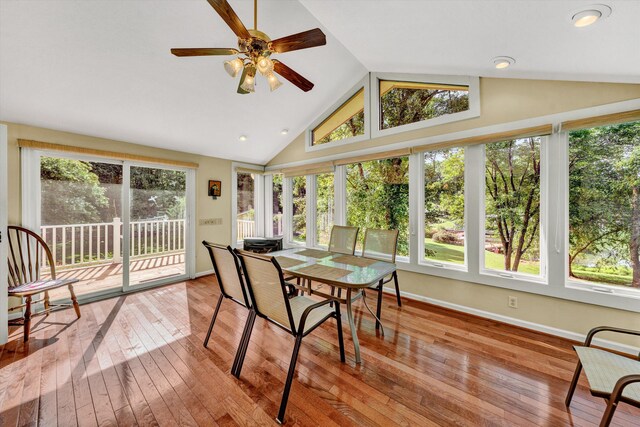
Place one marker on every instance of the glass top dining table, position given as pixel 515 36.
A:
pixel 352 273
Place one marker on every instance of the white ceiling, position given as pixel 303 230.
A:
pixel 462 37
pixel 103 68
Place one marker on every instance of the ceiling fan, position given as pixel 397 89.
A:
pixel 255 49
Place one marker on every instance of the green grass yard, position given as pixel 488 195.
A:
pixel 455 254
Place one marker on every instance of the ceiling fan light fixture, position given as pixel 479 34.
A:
pixel 233 66
pixel 249 83
pixel 264 65
pixel 274 83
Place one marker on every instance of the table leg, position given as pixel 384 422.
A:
pixel 378 322
pixel 352 325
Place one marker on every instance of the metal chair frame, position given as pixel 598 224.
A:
pixel 615 396
pixel 299 333
pixel 380 287
pixel 223 294
pixel 21 274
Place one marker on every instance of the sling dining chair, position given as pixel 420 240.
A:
pixel 382 245
pixel 28 255
pixel 298 315
pixel 227 269
pixel 611 376
pixel 343 239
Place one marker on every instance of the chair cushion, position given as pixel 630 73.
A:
pixel 317 315
pixel 604 369
pixel 40 286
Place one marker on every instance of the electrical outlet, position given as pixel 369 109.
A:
pixel 513 302
pixel 210 221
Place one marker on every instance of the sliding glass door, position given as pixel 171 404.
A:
pixel 80 220
pixel 158 224
pixel 114 225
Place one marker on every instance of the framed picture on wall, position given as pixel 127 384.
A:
pixel 215 189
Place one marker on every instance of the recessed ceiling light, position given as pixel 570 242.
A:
pixel 589 15
pixel 501 62
pixel 243 137
pixel 284 131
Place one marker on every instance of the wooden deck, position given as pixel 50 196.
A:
pixel 109 276
pixel 138 360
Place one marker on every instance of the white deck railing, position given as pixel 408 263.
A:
pixel 246 228
pixel 78 244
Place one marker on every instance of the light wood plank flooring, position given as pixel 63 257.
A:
pixel 139 360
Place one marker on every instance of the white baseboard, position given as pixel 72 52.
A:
pixel 204 273
pixel 623 348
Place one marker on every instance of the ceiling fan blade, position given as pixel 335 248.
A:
pixel 229 16
pixel 292 76
pixel 303 40
pixel 240 90
pixel 204 51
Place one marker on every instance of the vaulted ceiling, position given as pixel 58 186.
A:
pixel 103 68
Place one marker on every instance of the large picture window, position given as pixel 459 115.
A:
pixel 604 205
pixel 377 194
pixel 403 102
pixel 512 206
pixel 325 207
pixel 444 205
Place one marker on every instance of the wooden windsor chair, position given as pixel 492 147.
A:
pixel 28 252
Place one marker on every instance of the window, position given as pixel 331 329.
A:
pixel 345 122
pixel 377 194
pixel 604 206
pixel 299 216
pixel 512 206
pixel 245 213
pixel 444 205
pixel 276 191
pixel 403 102
pixel 324 208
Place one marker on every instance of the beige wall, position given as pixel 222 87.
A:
pixel 502 101
pixel 210 168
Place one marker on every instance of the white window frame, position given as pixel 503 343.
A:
pixel 421 236
pixel 474 101
pixel 362 84
pixel 554 212
pixel 410 259
pixel 569 282
pixel 287 223
pixel 258 201
pixel 542 278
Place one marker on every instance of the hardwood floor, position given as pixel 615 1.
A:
pixel 139 360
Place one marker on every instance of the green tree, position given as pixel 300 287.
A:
pixel 299 208
pixel 71 192
pixel 157 193
pixel 512 179
pixel 378 197
pixel 604 197
pixel 401 106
